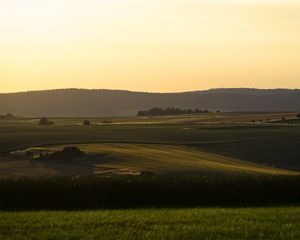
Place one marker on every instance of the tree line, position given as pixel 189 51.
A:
pixel 156 111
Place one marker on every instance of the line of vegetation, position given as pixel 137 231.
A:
pixel 156 111
pixel 95 192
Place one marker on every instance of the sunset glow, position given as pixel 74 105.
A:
pixel 149 45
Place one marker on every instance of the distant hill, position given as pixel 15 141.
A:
pixel 88 103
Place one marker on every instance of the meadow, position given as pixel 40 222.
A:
pixel 186 223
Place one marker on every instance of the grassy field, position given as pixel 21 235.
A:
pixel 166 158
pixel 104 158
pixel 268 144
pixel 199 223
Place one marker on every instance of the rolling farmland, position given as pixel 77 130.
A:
pixel 163 174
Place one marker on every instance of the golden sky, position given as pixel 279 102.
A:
pixel 149 45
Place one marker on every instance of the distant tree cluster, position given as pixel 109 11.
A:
pixel 86 123
pixel 45 121
pixel 298 115
pixel 169 111
pixel 7 116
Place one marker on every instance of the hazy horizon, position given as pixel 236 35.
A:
pixel 128 90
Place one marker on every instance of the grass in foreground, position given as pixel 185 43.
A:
pixel 199 223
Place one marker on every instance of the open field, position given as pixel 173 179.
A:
pixel 190 163
pixel 226 117
pixel 269 144
pixel 103 158
pixel 199 223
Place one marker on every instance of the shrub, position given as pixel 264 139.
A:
pixel 86 123
pixel 7 116
pixel 69 152
pixel 72 151
pixel 45 121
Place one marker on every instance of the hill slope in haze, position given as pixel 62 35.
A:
pixel 87 103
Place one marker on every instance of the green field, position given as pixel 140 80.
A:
pixel 199 223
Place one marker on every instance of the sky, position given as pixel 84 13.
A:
pixel 149 45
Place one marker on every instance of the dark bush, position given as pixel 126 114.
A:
pixel 7 116
pixel 72 151
pixel 86 123
pixel 45 121
pixel 69 152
